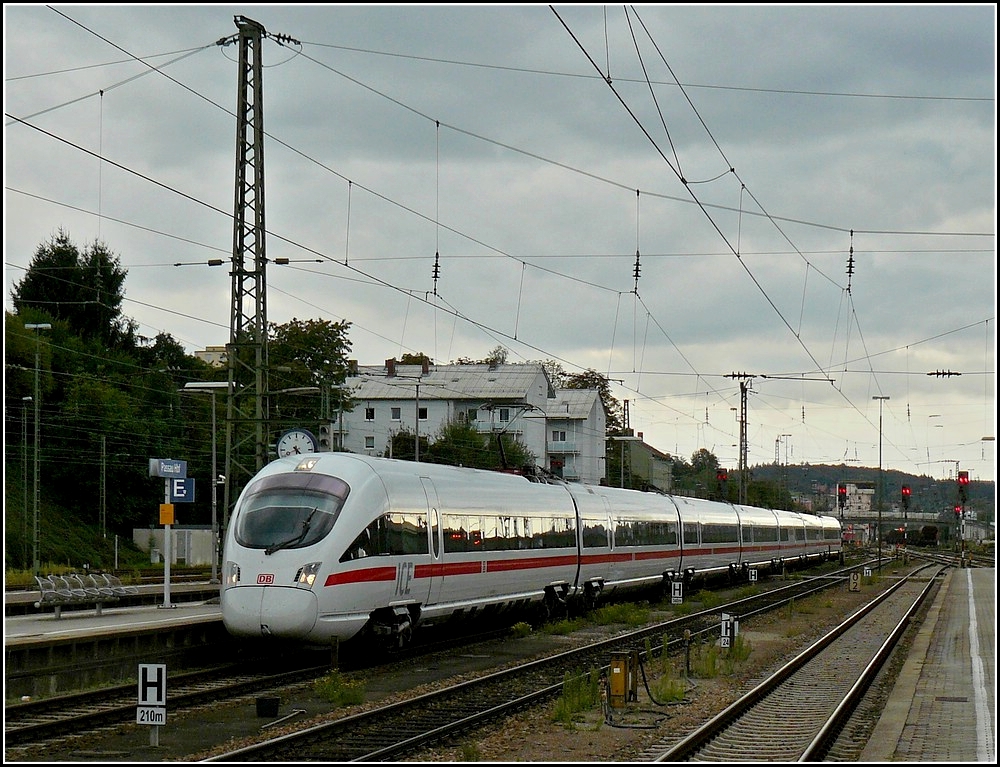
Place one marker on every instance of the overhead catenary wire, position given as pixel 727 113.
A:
pixel 523 267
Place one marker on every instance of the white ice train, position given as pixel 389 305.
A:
pixel 326 546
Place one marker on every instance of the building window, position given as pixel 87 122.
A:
pixel 369 414
pixel 369 443
pixel 396 414
pixel 504 414
pixel 422 413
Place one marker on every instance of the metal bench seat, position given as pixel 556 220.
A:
pixel 116 585
pixel 57 591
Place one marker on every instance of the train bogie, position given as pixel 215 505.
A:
pixel 329 546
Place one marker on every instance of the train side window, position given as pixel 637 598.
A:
pixel 690 532
pixel 716 533
pixel 407 534
pixel 524 538
pixel 625 533
pixel 595 533
pixel 456 535
pixel 360 547
pixel 762 534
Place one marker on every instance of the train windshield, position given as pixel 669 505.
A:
pixel 289 511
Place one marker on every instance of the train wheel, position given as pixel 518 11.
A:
pixel 403 638
pixel 400 638
pixel 554 606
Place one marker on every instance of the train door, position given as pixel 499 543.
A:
pixel 617 570
pixel 434 582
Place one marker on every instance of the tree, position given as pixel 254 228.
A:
pixel 402 445
pixel 85 290
pixel 309 353
pixel 591 379
pixel 497 356
pixel 458 443
pixel 415 359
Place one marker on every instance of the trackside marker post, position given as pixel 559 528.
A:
pixel 152 708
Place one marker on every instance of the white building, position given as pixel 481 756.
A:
pixel 216 356
pixel 564 429
pixel 575 424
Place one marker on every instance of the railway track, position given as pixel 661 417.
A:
pixel 52 722
pixel 399 730
pixel 38 723
pixel 811 698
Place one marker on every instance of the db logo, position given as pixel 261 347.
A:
pixel 265 579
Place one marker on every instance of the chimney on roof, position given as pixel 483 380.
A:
pixel 390 367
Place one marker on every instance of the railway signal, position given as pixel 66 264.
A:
pixel 963 487
pixel 905 496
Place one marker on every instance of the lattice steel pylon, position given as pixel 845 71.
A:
pixel 247 411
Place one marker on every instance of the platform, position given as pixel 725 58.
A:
pixel 74 624
pixel 943 705
pixel 45 655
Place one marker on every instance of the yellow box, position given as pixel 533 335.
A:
pixel 166 513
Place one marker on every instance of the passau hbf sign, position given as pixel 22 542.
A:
pixel 177 489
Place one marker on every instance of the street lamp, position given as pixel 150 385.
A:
pixel 36 327
pixel 24 478
pixel 211 387
pixel 880 399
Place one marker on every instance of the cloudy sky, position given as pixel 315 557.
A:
pixel 682 198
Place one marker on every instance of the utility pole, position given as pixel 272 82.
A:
pixel 744 388
pixel 880 399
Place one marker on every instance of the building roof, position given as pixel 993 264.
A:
pixel 574 404
pixel 448 382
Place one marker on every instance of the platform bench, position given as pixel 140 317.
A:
pixel 58 591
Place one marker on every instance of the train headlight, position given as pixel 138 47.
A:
pixel 306 576
pixel 230 574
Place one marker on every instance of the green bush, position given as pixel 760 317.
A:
pixel 631 614
pixel 339 691
pixel 565 626
pixel 520 630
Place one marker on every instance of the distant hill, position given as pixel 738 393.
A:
pixel 927 493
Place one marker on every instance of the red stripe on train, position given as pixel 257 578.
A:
pixel 369 575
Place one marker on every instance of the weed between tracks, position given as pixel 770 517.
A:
pixel 339 691
pixel 581 692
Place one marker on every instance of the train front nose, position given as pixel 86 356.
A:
pixel 278 611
